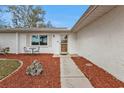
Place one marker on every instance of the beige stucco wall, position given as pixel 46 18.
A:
pixel 52 47
pixel 72 47
pixel 54 44
pixel 21 42
pixel 8 40
pixel 102 42
pixel 17 42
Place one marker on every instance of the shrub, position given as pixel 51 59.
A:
pixel 5 50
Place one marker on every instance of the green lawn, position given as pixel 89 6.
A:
pixel 7 67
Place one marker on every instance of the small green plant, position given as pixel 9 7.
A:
pixel 6 50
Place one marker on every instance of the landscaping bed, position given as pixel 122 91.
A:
pixel 7 67
pixel 98 77
pixel 48 79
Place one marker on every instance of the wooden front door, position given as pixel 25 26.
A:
pixel 63 47
pixel 64 44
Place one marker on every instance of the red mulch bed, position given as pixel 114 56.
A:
pixel 98 77
pixel 48 79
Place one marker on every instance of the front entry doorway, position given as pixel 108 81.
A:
pixel 64 44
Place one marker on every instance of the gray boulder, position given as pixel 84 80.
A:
pixel 34 69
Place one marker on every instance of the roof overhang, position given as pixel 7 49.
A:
pixel 25 30
pixel 93 13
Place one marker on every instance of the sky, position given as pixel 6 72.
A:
pixel 60 15
pixel 65 15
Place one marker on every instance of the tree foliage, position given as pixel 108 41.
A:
pixel 23 16
pixel 49 24
pixel 26 16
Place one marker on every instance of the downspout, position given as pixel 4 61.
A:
pixel 17 43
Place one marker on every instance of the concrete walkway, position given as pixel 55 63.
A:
pixel 71 76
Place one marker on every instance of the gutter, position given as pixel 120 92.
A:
pixel 84 16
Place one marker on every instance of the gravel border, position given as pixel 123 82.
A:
pixel 50 77
pixel 98 77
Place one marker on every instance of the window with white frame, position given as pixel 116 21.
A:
pixel 39 40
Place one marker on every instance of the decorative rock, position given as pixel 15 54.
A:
pixel 34 69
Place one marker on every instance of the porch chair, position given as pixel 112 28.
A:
pixel 26 50
pixel 37 50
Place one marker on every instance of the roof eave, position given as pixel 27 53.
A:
pixel 23 30
pixel 91 15
pixel 87 12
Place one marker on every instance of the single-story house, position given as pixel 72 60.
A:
pixel 49 40
pixel 98 36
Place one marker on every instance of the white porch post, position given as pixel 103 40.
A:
pixel 17 43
